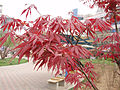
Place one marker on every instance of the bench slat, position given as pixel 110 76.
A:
pixel 56 79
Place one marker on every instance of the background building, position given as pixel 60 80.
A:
pixel 75 12
pixel 0 10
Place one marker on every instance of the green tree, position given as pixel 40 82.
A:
pixel 7 46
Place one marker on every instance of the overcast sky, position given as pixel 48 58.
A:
pixel 13 8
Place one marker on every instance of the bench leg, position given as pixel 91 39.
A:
pixel 52 86
pixel 61 83
pixel 57 85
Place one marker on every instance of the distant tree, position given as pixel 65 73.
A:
pixel 6 47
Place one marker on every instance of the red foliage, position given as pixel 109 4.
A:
pixel 113 47
pixel 11 24
pixel 111 7
pixel 45 42
pixel 77 78
pixel 28 10
pixel 93 25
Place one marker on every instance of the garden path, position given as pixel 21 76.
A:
pixel 24 77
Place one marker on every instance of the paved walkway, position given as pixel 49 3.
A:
pixel 23 77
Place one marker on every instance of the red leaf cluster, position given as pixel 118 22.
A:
pixel 113 47
pixel 45 41
pixel 11 24
pixel 77 78
pixel 111 7
pixel 28 10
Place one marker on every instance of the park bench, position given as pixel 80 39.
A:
pixel 56 82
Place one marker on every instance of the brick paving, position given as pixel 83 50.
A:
pixel 23 77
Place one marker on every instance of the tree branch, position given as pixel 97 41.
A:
pixel 116 23
pixel 67 39
pixel 94 87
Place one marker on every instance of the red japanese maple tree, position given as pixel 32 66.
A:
pixel 45 40
pixel 112 9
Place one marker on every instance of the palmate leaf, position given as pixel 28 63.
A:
pixel 75 26
pixel 9 24
pixel 114 37
pixel 111 20
pixel 57 25
pixel 77 78
pixel 79 51
pixel 101 25
pixel 40 24
pixel 89 27
pixel 28 10
pixel 93 25
pixel 113 47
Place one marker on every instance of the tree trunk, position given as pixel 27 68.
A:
pixel 117 31
pixel 4 53
pixel 116 28
pixel 118 64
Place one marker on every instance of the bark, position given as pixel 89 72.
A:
pixel 116 28
pixel 4 53
pixel 118 64
pixel 117 31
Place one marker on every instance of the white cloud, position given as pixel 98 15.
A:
pixel 13 8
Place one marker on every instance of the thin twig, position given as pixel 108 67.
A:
pixel 67 39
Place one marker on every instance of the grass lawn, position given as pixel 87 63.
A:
pixel 6 61
pixel 99 61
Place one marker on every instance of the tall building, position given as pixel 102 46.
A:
pixel 75 12
pixel 0 10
